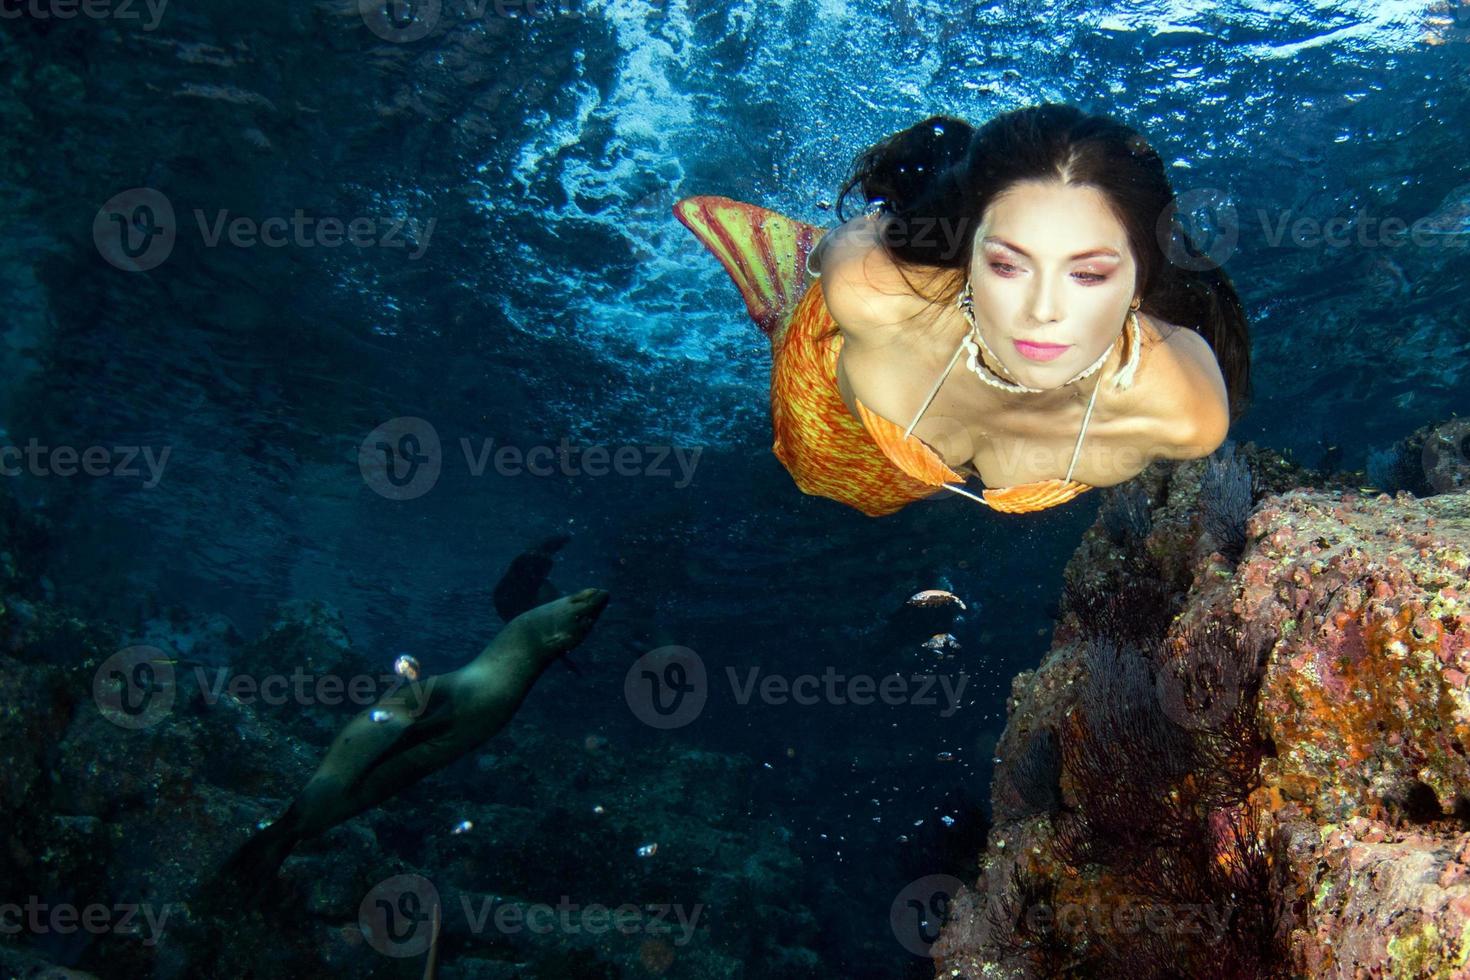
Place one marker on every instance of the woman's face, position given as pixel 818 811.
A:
pixel 1051 266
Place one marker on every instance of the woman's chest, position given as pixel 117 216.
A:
pixel 1006 438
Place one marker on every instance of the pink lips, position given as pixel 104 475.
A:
pixel 1041 352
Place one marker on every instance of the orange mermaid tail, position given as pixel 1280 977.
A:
pixel 827 451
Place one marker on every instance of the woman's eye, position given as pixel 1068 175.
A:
pixel 1006 268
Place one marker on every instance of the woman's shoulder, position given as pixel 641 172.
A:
pixel 1187 402
pixel 864 289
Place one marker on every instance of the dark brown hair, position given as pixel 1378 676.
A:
pixel 943 172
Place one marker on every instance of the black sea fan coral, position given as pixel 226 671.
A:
pixel 1159 755
pixel 1036 774
pixel 1205 681
pixel 1124 755
pixel 1227 493
pixel 1120 702
pixel 1133 611
pixel 1023 926
pixel 1126 515
pixel 1210 688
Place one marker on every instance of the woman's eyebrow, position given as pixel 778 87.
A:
pixel 1110 252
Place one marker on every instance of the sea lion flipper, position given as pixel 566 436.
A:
pixel 250 871
pixel 552 544
pixel 524 585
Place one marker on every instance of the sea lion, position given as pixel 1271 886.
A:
pixel 525 583
pixel 417 729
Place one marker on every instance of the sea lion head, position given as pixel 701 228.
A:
pixel 563 623
pixel 588 606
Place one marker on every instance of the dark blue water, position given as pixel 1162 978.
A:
pixel 515 279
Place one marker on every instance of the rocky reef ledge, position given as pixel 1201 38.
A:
pixel 1245 753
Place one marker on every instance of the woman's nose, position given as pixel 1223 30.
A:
pixel 1046 301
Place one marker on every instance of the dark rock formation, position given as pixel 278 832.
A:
pixel 1259 714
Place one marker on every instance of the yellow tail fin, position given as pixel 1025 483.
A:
pixel 763 251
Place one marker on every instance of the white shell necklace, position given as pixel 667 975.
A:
pixel 1123 380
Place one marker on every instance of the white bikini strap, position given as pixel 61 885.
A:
pixel 935 390
pixel 1078 451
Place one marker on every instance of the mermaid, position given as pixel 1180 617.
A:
pixel 1038 244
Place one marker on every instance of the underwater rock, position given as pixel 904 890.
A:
pixel 1432 459
pixel 209 639
pixel 303 670
pixel 37 706
pixel 1364 698
pixel 1445 456
pixel 145 812
pixel 1322 828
